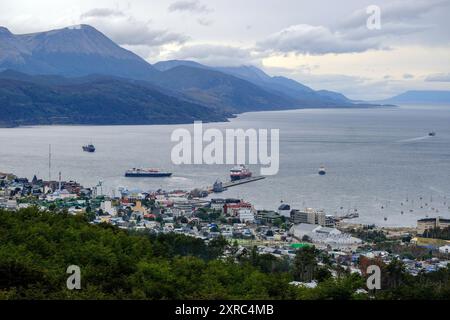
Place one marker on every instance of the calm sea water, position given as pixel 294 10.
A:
pixel 376 160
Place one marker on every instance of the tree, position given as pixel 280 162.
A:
pixel 305 264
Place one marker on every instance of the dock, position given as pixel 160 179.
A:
pixel 229 184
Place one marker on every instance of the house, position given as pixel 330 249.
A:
pixel 138 208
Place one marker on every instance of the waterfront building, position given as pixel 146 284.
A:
pixel 312 216
pixel 217 204
pixel 267 216
pixel 432 223
pixel 284 210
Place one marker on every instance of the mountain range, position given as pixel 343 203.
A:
pixel 420 97
pixel 78 75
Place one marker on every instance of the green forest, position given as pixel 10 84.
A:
pixel 36 247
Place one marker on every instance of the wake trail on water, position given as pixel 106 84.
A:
pixel 413 139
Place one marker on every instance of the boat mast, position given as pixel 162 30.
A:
pixel 49 162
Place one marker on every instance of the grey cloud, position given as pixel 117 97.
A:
pixel 398 19
pixel 214 55
pixel 126 30
pixel 205 22
pixel 307 39
pixel 394 12
pixel 438 77
pixel 408 76
pixel 191 6
pixel 102 12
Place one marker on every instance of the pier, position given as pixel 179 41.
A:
pixel 229 184
pixel 242 181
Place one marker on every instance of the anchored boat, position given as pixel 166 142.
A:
pixel 322 171
pixel 89 148
pixel 146 173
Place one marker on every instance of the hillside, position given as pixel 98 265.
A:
pixel 222 91
pixel 28 100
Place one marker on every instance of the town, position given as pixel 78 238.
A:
pixel 279 233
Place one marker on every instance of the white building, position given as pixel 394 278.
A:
pixel 284 210
pixel 246 215
pixel 218 204
pixel 323 235
pixel 445 249
pixel 11 204
pixel 63 194
pixel 108 208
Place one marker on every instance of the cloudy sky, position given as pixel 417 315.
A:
pixel 325 44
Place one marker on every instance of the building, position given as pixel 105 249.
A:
pixel 432 223
pixel 323 235
pixel 218 204
pixel 138 208
pixel 267 216
pixel 232 208
pixel 246 215
pixel 445 249
pixel 303 216
pixel 312 216
pixel 108 208
pixel 284 210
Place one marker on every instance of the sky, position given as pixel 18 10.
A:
pixel 324 44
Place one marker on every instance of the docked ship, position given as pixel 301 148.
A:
pixel 322 171
pixel 146 173
pixel 89 148
pixel 240 172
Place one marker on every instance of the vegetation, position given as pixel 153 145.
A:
pixel 36 248
pixel 369 235
pixel 437 233
pixel 101 101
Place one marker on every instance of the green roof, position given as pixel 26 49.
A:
pixel 300 245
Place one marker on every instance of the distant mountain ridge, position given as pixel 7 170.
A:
pixel 420 97
pixel 81 56
pixel 71 51
pixel 278 85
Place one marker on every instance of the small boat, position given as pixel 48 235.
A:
pixel 322 171
pixel 146 173
pixel 432 134
pixel 89 148
pixel 218 187
pixel 240 172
